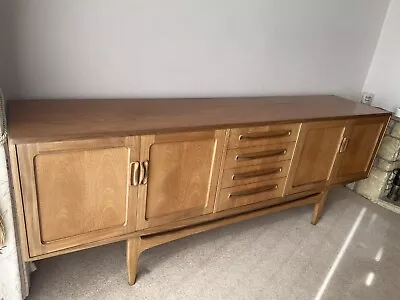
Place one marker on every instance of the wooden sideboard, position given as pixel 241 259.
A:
pixel 92 172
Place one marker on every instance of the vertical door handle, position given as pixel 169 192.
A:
pixel 144 171
pixel 135 173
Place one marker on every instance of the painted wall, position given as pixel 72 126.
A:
pixel 7 46
pixel 134 48
pixel 384 75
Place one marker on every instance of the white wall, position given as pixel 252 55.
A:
pixel 384 75
pixel 7 46
pixel 132 48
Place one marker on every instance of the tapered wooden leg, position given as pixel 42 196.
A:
pixel 318 208
pixel 132 258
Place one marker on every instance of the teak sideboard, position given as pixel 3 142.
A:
pixel 92 172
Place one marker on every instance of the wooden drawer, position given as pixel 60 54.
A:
pixel 250 156
pixel 251 174
pixel 251 193
pixel 263 135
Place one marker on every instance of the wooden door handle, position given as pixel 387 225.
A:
pixel 140 172
pixel 253 191
pixel 135 173
pixel 256 173
pixel 259 155
pixel 145 172
pixel 265 135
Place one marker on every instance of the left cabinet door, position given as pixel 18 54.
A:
pixel 77 192
pixel 181 174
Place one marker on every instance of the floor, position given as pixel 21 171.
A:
pixel 353 253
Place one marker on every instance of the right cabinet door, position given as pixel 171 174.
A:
pixel 314 156
pixel 357 152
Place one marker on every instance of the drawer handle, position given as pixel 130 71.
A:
pixel 253 191
pixel 265 135
pixel 256 173
pixel 259 155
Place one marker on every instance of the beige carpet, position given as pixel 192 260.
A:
pixel 353 253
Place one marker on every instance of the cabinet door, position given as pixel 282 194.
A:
pixel 77 192
pixel 360 144
pixel 182 176
pixel 314 155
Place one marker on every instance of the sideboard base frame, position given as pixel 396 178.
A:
pixel 136 245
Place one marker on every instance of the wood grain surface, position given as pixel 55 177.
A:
pixel 179 176
pixel 49 120
pixel 263 135
pixel 315 155
pixel 363 140
pixel 258 155
pixel 77 192
pixel 251 174
pixel 208 159
pixel 81 191
pixel 182 176
pixel 253 193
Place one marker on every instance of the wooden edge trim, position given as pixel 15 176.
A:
pixel 221 168
pixel 16 195
pixel 378 145
pixel 124 133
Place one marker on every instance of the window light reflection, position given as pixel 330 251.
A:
pixel 379 254
pixel 370 278
pixel 340 254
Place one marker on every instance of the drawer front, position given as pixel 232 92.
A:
pixel 251 156
pixel 263 135
pixel 257 173
pixel 251 193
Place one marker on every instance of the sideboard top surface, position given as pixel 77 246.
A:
pixel 33 121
